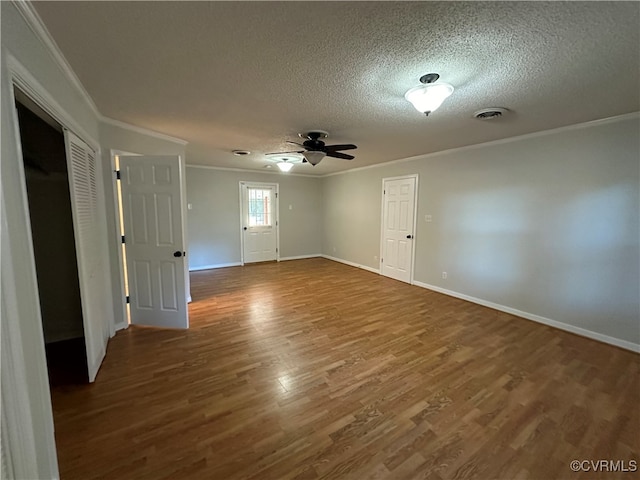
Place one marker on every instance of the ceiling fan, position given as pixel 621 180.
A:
pixel 315 149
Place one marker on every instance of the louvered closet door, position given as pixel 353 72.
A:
pixel 81 162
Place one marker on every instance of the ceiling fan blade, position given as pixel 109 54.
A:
pixel 283 153
pixel 343 156
pixel 295 143
pixel 346 146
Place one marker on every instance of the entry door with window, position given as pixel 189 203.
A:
pixel 259 222
pixel 154 239
pixel 398 220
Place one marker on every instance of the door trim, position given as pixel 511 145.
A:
pixel 120 303
pixel 30 431
pixel 416 177
pixel 244 183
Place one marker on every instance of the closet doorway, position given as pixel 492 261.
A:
pixel 54 246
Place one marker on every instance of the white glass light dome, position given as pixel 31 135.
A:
pixel 428 97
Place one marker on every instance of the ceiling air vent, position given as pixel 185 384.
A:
pixel 490 113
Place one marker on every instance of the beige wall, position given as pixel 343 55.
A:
pixel 214 220
pixel 546 225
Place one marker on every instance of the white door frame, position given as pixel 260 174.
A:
pixel 415 223
pixel 244 183
pixel 121 302
pixel 30 446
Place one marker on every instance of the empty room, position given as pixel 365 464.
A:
pixel 320 240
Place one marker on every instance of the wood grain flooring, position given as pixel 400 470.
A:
pixel 311 369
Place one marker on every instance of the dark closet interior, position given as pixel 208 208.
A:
pixel 47 182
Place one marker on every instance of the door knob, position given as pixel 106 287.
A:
pixel 409 236
pixel 177 254
pixel 244 228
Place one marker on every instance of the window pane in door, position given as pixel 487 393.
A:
pixel 259 207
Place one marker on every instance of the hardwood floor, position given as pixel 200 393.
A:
pixel 311 369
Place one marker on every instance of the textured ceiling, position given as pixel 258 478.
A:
pixel 251 75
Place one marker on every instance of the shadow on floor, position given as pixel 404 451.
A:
pixel 67 362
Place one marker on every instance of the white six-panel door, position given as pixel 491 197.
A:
pixel 155 246
pixel 398 207
pixel 259 222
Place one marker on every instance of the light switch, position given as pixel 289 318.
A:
pixel 290 207
pixel 189 206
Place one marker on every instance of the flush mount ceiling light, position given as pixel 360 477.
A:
pixel 313 156
pixel 284 166
pixel 426 98
pixel 285 162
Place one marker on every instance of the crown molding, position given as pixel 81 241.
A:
pixel 247 170
pixel 37 26
pixel 22 78
pixel 502 141
pixel 33 20
pixel 141 130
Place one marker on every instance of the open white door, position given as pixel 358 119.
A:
pixel 154 239
pixel 81 163
pixel 259 222
pixel 398 220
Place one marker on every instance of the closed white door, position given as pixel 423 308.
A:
pixel 259 222
pixel 154 240
pixel 398 219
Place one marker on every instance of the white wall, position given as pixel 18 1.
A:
pixel 24 381
pixel 120 138
pixel 214 221
pixel 546 224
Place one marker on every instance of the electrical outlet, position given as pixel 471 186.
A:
pixel 444 275
pixel 375 257
pixel 427 218
pixel 334 249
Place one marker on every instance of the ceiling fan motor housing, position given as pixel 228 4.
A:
pixel 313 144
pixel 313 141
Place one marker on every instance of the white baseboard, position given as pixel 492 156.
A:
pixel 95 364
pixel 352 264
pixel 634 347
pixel 121 326
pixel 300 257
pixel 218 265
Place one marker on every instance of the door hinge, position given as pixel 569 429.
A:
pixel 382 260
pixel 128 299
pixel 118 174
pixel 384 192
pixel 122 238
pixel 276 250
pixel 276 195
